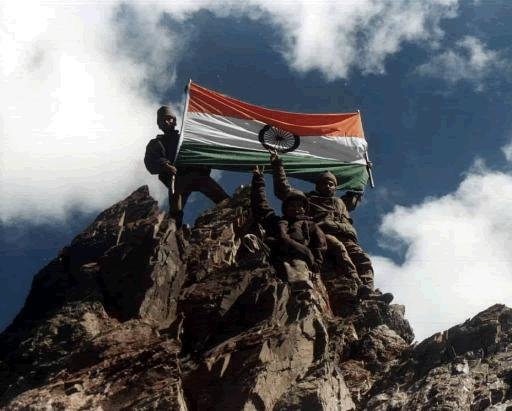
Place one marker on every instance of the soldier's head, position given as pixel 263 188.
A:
pixel 165 119
pixel 326 184
pixel 295 204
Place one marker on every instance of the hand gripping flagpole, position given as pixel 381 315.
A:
pixel 366 157
pixel 182 128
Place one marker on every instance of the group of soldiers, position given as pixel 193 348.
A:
pixel 313 225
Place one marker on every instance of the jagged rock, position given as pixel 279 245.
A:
pixel 370 314
pixel 128 366
pixel 126 265
pixel 281 362
pixel 466 367
pixel 379 348
pixel 135 314
pixel 342 292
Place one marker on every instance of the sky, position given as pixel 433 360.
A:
pixel 81 81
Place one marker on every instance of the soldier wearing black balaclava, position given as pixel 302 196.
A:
pixel 159 159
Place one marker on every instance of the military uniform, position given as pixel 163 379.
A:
pixel 331 215
pixel 292 242
pixel 160 152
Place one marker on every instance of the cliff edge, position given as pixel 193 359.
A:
pixel 135 314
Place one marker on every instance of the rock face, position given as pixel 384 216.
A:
pixel 468 367
pixel 135 314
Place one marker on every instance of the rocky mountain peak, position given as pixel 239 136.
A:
pixel 135 314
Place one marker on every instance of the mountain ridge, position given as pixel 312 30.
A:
pixel 135 314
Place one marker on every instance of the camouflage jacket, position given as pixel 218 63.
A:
pixel 330 213
pixel 288 239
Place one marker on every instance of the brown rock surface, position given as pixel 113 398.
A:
pixel 468 367
pixel 136 315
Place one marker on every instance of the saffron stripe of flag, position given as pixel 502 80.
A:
pixel 224 133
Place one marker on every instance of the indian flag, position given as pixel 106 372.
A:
pixel 228 134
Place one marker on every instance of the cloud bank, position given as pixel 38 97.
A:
pixel 457 258
pixel 469 60
pixel 78 82
pixel 336 37
pixel 73 124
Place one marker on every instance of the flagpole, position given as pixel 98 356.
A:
pixel 183 117
pixel 366 157
pixel 182 128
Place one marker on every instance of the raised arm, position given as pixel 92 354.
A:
pixel 259 203
pixel 281 185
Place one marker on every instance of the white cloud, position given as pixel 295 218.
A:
pixel 457 259
pixel 507 151
pixel 330 36
pixel 469 60
pixel 76 81
pixel 73 126
pixel 335 37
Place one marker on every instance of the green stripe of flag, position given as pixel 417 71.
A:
pixel 350 176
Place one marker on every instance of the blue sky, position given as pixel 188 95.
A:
pixel 81 84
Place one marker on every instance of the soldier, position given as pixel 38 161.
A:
pixel 296 243
pixel 160 156
pixel 331 215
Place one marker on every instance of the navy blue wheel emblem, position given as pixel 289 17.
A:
pixel 274 138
